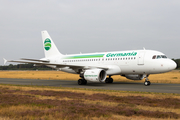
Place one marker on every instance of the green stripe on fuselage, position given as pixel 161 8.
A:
pixel 84 56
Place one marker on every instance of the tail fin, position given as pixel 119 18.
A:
pixel 50 48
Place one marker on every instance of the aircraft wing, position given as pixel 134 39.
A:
pixel 46 62
pixel 41 60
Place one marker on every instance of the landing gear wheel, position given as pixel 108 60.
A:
pixel 146 83
pixel 109 80
pixel 82 82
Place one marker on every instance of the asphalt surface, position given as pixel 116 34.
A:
pixel 123 86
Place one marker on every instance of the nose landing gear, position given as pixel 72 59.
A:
pixel 147 82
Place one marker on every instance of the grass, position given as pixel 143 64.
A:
pixel 24 102
pixel 27 102
pixel 170 77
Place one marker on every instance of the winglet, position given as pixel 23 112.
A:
pixel 5 61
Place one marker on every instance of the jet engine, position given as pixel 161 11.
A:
pixel 134 77
pixel 94 75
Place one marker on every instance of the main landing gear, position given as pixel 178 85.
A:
pixel 82 82
pixel 109 80
pixel 147 82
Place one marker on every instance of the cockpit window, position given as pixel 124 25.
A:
pixel 163 56
pixel 159 57
pixel 154 57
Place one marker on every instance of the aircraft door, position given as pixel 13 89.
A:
pixel 141 58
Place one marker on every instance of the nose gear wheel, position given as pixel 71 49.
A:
pixel 147 82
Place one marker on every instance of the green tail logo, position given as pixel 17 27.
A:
pixel 47 44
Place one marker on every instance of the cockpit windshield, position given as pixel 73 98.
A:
pixel 163 56
pixel 159 57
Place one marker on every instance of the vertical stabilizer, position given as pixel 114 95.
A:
pixel 50 48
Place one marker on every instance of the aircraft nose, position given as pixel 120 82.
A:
pixel 172 65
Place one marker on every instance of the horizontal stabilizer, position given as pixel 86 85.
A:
pixel 5 61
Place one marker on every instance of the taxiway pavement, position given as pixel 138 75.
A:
pixel 123 86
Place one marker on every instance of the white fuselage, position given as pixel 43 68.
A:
pixel 119 62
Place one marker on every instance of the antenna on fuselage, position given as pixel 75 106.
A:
pixel 144 48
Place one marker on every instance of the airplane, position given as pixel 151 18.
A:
pixel 95 67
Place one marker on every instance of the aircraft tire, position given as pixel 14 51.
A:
pixel 84 82
pixel 147 83
pixel 109 80
pixel 80 82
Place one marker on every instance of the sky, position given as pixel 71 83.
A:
pixel 88 26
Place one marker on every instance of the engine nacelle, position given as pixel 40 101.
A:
pixel 95 75
pixel 134 77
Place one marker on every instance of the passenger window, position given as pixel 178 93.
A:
pixel 154 57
